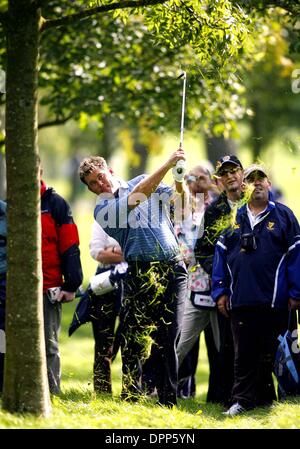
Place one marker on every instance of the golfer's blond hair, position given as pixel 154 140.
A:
pixel 89 164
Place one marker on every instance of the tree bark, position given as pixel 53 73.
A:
pixel 142 150
pixel 25 377
pixel 216 147
pixel 257 134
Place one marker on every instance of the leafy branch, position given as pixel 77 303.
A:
pixel 54 122
pixel 71 18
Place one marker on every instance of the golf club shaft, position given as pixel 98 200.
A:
pixel 182 110
pixel 180 167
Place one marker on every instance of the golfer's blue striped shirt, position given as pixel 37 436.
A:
pixel 144 233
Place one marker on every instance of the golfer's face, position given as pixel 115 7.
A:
pixel 99 181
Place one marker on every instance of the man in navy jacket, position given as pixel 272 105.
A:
pixel 255 280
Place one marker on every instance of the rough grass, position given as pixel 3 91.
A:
pixel 79 408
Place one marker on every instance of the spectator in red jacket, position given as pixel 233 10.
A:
pixel 62 273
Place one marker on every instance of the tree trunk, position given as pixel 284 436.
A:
pixel 257 139
pixel 25 377
pixel 142 150
pixel 216 147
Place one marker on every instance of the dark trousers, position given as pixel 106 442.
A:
pixel 154 295
pixel 223 367
pixel 220 379
pixel 255 332
pixel 187 372
pixel 104 312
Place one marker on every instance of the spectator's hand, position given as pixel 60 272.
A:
pixel 223 305
pixel 293 304
pixel 66 296
pixel 116 250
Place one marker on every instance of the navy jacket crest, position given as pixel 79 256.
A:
pixel 266 276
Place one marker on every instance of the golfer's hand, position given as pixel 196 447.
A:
pixel 66 296
pixel 223 305
pixel 176 156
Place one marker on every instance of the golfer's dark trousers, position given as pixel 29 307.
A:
pixel 153 304
pixel 255 332
pixel 104 312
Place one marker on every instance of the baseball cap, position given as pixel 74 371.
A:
pixel 231 159
pixel 253 168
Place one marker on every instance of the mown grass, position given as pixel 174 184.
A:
pixel 79 408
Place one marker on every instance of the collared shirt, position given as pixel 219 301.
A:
pixel 232 204
pixel 145 233
pixel 267 275
pixel 191 228
pixel 100 240
pixel 255 218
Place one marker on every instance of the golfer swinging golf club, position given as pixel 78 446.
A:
pixel 136 214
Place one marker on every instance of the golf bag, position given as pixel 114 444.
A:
pixel 287 364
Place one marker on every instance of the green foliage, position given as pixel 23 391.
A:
pixel 3 5
pixel 124 64
pixel 273 108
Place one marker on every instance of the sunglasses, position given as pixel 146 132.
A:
pixel 194 178
pixel 255 176
pixel 225 171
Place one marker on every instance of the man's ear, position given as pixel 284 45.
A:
pixel 110 170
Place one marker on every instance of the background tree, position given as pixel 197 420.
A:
pixel 274 108
pixel 24 22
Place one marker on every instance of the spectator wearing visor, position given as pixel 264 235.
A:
pixel 195 319
pixel 256 279
pixel 229 172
